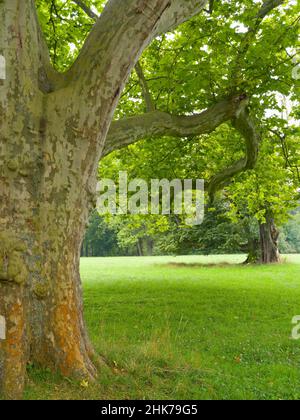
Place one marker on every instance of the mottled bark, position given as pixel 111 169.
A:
pixel 45 202
pixel 156 124
pixel 178 12
pixel 53 130
pixel 20 170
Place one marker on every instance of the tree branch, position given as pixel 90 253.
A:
pixel 86 9
pixel 125 28
pixel 248 38
pixel 246 126
pixel 150 106
pixel 211 6
pixel 157 124
pixel 286 154
pixel 138 68
pixel 178 12
pixel 267 7
pixel 95 81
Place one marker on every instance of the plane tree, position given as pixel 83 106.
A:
pixel 56 125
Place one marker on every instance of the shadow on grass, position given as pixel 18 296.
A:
pixel 201 265
pixel 283 261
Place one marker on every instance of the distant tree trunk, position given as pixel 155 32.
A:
pixel 140 248
pixel 254 252
pixel 269 235
pixel 150 245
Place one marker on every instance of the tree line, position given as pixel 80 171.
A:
pixel 219 234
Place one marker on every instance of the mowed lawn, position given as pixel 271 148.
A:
pixel 175 328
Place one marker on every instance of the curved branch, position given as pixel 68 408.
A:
pixel 149 103
pixel 245 125
pixel 178 12
pixel 157 124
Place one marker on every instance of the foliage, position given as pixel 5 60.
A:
pixel 66 27
pixel 217 235
pixel 290 235
pixel 270 189
pixel 100 239
pixel 205 60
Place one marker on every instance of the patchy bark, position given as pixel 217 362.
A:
pixel 42 217
pixel 155 124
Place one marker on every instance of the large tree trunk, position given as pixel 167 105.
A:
pixel 53 130
pixel 269 236
pixel 42 222
pixel 45 195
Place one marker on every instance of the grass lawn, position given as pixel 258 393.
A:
pixel 174 331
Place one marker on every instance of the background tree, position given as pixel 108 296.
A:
pixel 290 235
pixel 170 59
pixel 271 191
pixel 100 239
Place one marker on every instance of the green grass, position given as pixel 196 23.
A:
pixel 187 332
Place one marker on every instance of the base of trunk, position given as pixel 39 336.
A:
pixel 254 253
pixel 42 323
pixel 72 356
pixel 14 348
